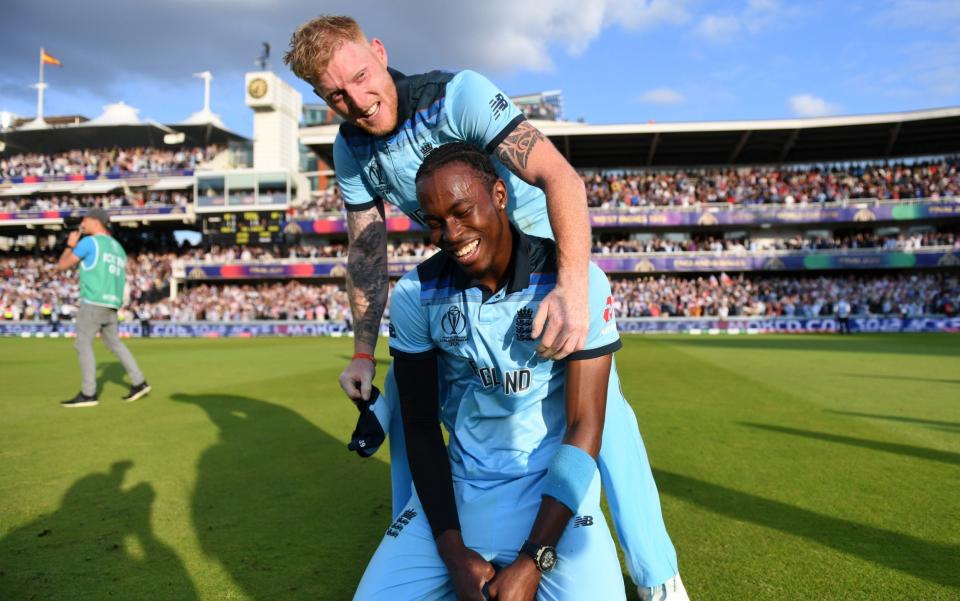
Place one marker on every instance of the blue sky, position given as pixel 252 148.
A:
pixel 616 61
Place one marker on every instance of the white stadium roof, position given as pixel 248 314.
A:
pixel 819 139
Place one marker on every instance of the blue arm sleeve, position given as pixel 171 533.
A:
pixel 479 112
pixel 86 249
pixel 357 194
pixel 569 476
pixel 602 338
pixel 409 327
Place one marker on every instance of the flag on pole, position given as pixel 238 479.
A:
pixel 49 59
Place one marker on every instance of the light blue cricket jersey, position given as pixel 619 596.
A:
pixel 503 405
pixel 433 109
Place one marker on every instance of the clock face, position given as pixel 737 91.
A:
pixel 257 88
pixel 548 559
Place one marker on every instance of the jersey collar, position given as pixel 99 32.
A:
pixel 404 103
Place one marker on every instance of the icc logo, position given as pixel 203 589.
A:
pixel 375 173
pixel 453 322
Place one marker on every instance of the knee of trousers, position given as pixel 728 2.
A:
pixel 113 345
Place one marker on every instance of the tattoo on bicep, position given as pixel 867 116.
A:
pixel 367 272
pixel 514 151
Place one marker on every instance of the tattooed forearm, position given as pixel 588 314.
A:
pixel 367 273
pixel 514 151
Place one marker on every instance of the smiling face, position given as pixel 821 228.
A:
pixel 358 87
pixel 468 220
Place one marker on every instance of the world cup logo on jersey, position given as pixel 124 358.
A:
pixel 454 324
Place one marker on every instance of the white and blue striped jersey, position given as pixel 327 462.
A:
pixel 503 405
pixel 433 109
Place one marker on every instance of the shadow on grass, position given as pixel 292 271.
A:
pixel 876 445
pixel 902 344
pixel 111 372
pixel 99 544
pixel 930 561
pixel 904 378
pixel 282 505
pixel 935 424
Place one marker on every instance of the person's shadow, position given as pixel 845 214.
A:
pixel 282 505
pixel 99 544
pixel 111 372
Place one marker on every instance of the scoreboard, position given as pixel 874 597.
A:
pixel 246 227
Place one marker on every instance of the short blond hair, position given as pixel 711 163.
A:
pixel 312 45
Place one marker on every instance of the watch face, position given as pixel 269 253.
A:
pixel 257 88
pixel 548 559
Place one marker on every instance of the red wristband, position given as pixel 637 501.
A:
pixel 365 356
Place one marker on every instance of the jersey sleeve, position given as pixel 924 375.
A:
pixel 479 112
pixel 603 337
pixel 357 195
pixel 409 327
pixel 86 249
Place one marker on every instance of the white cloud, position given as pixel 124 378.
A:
pixel 714 28
pixel 756 17
pixel 808 105
pixel 760 14
pixel 524 40
pixel 663 96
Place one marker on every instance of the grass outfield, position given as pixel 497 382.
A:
pixel 789 467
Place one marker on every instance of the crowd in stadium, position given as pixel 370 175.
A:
pixel 605 190
pixel 738 185
pixel 116 161
pixel 604 245
pixel 30 286
pixel 611 244
pixel 773 185
pixel 723 296
pixel 147 198
pixel 320 204
pixel 250 302
pixel 30 283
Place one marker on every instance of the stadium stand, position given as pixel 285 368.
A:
pixel 770 239
pixel 749 185
pixel 98 162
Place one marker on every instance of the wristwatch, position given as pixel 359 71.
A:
pixel 544 556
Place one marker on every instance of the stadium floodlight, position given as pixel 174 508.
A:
pixel 207 77
pixel 6 118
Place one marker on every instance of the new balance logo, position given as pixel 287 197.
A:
pixel 583 520
pixel 498 104
pixel 397 527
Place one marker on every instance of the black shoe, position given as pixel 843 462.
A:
pixel 137 392
pixel 81 400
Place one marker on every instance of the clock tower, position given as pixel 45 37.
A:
pixel 276 121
